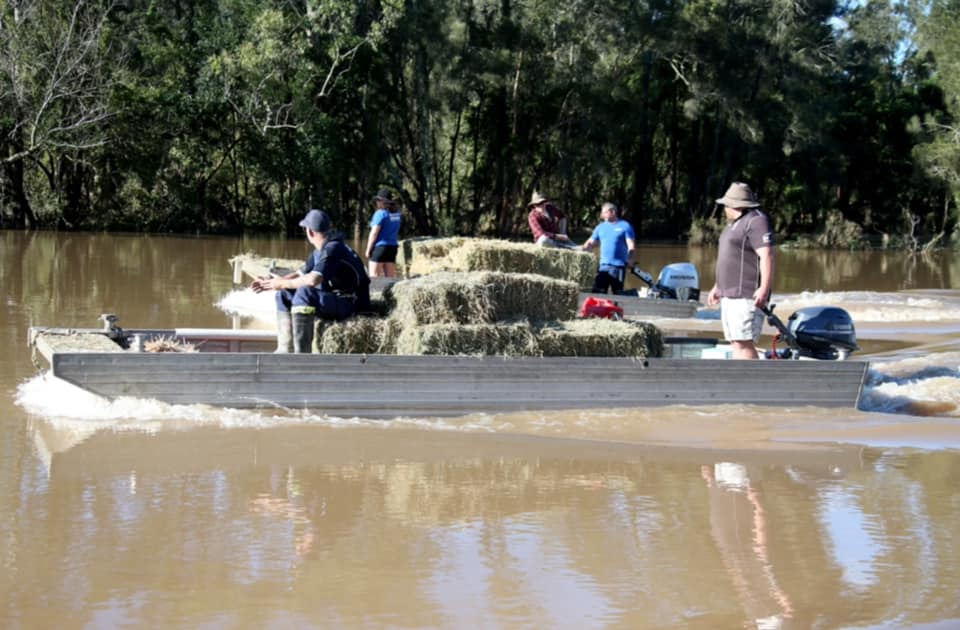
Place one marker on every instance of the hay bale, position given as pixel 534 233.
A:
pixel 507 339
pixel 428 256
pixel 481 298
pixel 421 255
pixel 357 335
pixel 600 338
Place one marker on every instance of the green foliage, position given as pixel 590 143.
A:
pixel 939 155
pixel 705 231
pixel 839 233
pixel 236 115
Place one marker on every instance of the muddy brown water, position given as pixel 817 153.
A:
pixel 136 514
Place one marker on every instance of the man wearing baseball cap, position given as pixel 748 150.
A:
pixel 332 284
pixel 745 264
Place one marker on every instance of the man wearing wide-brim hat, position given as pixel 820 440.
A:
pixel 745 266
pixel 548 223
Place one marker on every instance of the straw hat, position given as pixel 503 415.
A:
pixel 739 196
pixel 536 198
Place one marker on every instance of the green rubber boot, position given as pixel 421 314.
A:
pixel 284 333
pixel 303 332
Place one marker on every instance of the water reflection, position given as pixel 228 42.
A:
pixel 738 524
pixel 367 525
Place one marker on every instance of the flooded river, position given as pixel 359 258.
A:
pixel 139 514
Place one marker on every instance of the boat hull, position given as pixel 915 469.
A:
pixel 391 385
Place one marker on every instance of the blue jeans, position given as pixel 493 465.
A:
pixel 310 300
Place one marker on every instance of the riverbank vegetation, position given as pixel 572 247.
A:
pixel 226 116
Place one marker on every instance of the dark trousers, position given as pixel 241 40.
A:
pixel 310 300
pixel 609 278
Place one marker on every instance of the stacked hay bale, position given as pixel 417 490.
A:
pixel 357 335
pixel 481 297
pixel 489 313
pixel 509 339
pixel 430 255
pixel 600 338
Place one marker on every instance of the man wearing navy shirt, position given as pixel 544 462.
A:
pixel 332 284
pixel 617 246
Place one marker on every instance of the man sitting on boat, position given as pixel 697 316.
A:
pixel 548 223
pixel 332 284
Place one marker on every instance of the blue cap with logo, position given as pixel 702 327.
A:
pixel 316 220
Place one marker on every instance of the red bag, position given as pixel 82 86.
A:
pixel 601 307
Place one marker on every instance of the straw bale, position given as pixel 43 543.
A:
pixel 597 337
pixel 481 298
pixel 506 339
pixel 357 335
pixel 492 255
pixel 475 254
pixel 422 255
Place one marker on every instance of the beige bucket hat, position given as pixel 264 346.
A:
pixel 536 198
pixel 739 196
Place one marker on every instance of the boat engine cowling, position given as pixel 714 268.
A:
pixel 681 279
pixel 823 332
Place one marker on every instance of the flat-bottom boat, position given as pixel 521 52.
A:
pixel 237 368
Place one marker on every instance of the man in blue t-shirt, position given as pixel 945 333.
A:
pixel 617 246
pixel 383 241
pixel 332 284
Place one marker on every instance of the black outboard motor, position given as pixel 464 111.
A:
pixel 816 332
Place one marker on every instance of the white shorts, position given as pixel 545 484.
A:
pixel 742 320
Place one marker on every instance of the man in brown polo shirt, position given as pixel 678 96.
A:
pixel 745 264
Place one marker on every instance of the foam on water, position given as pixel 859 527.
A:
pixel 872 306
pixel 61 402
pixel 244 302
pixel 921 386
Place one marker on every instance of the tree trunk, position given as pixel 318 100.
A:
pixel 13 190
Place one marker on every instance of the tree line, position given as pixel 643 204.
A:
pixel 229 116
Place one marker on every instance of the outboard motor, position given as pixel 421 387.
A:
pixel 682 279
pixel 677 281
pixel 816 332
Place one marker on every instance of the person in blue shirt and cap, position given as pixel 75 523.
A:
pixel 332 284
pixel 383 242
